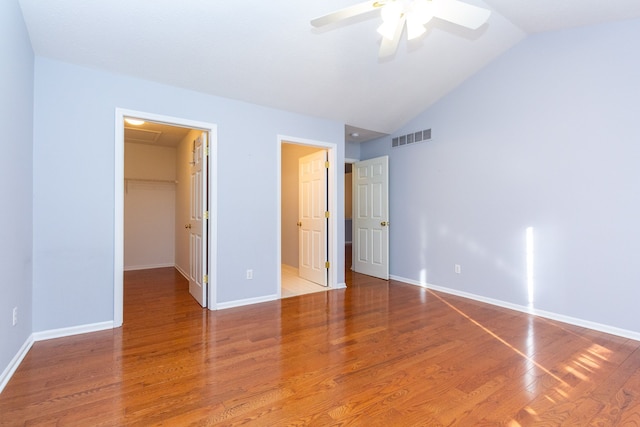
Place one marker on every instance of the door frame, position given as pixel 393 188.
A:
pixel 118 257
pixel 351 162
pixel 332 227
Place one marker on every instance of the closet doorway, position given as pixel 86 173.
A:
pixel 156 183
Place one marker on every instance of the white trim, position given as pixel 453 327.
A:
pixel 348 160
pixel 279 220
pixel 182 272
pixel 588 324
pixel 248 301
pixel 341 286
pixel 147 267
pixel 47 335
pixel 290 268
pixel 15 362
pixel 212 288
pixel 118 220
pixel 73 330
pixel 332 155
pixel 625 333
pixel 118 261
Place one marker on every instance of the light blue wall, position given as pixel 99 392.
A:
pixel 352 150
pixel 16 122
pixel 548 137
pixel 74 196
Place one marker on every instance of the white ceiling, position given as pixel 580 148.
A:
pixel 266 52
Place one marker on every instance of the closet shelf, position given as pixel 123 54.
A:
pixel 166 181
pixel 147 181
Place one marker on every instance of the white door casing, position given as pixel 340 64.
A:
pixel 312 217
pixel 371 217
pixel 197 227
pixel 118 169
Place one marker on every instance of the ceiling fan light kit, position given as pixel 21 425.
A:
pixel 414 13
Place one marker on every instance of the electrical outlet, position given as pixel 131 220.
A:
pixel 457 268
pixel 249 274
pixel 15 316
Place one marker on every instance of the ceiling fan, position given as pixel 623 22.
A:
pixel 414 13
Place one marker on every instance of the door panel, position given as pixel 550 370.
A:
pixel 312 223
pixel 197 222
pixel 371 217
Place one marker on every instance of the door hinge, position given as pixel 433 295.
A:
pixel 327 264
pixel 206 150
pixel 326 214
pixel 326 164
pixel 206 214
pixel 205 279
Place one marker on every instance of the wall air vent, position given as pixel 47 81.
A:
pixel 411 138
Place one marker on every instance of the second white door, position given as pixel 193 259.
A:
pixel 312 217
pixel 371 217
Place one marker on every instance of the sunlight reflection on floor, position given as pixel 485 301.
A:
pixel 579 369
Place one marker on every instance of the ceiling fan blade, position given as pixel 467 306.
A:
pixel 389 46
pixel 460 13
pixel 347 12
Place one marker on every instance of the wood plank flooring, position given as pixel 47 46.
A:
pixel 376 354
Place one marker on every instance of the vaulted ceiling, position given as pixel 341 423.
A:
pixel 267 53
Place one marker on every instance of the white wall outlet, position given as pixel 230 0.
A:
pixel 15 316
pixel 457 268
pixel 249 274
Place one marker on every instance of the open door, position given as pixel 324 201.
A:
pixel 197 226
pixel 313 217
pixel 371 217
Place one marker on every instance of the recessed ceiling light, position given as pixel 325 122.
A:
pixel 355 134
pixel 135 122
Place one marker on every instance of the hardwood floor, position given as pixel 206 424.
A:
pixel 378 353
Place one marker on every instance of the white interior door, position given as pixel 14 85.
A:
pixel 312 214
pixel 198 222
pixel 371 217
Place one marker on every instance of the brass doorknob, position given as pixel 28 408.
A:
pixel 299 224
pixel 384 223
pixel 187 226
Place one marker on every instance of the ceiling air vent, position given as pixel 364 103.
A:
pixel 141 136
pixel 411 138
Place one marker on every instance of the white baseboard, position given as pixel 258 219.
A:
pixel 147 267
pixel 181 271
pixel 15 362
pixel 47 335
pixel 524 309
pixel 248 301
pixel 625 333
pixel 74 330
pixel 289 268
